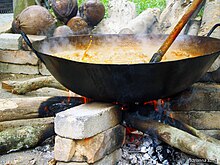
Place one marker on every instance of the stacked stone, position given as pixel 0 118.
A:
pixel 16 57
pixel 89 134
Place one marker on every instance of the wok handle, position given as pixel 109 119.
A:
pixel 28 42
pixel 157 57
pixel 213 29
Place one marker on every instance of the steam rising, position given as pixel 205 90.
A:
pixel 111 49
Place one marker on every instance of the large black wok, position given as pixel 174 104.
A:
pixel 129 82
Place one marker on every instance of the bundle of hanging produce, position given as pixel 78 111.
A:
pixel 59 17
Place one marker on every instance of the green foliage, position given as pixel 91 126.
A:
pixel 141 5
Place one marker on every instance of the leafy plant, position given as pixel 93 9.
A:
pixel 141 5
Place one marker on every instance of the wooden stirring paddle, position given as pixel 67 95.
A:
pixel 157 57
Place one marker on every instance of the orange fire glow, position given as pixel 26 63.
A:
pixel 69 96
pixel 154 103
pixel 162 104
pixel 86 100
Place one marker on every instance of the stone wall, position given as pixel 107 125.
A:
pixel 16 57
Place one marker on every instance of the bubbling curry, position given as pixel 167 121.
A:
pixel 118 53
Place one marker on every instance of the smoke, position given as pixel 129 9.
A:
pixel 55 45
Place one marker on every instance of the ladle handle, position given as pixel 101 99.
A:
pixel 28 42
pixel 213 29
pixel 157 57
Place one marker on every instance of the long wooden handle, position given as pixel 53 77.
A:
pixel 157 57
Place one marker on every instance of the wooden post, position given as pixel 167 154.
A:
pixel 19 5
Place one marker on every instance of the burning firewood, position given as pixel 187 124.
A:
pixel 198 146
pixel 27 108
pixel 22 87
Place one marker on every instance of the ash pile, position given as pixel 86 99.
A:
pixel 145 149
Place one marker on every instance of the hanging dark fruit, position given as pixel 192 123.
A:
pixel 63 31
pixel 33 20
pixel 78 25
pixel 64 9
pixel 92 11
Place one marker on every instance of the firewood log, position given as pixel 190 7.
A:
pixel 193 27
pixel 143 23
pixel 148 113
pixel 175 137
pixel 14 139
pixel 172 14
pixel 22 87
pixel 25 122
pixel 209 19
pixel 26 108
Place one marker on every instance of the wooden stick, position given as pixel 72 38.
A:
pixel 22 87
pixel 176 138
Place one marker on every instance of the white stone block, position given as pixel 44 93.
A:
pixel 64 149
pixel 9 41
pixel 20 69
pixel 86 120
pixel 18 57
pixel 110 159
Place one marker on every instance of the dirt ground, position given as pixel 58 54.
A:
pixel 40 155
